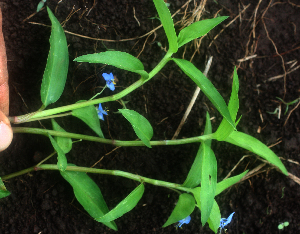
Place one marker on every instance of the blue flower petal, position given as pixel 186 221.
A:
pixel 229 219
pixel 100 112
pixel 224 221
pixel 109 78
pixel 111 86
pixel 183 221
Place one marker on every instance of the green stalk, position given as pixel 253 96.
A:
pixel 161 64
pixel 97 94
pixel 47 117
pixel 15 174
pixel 38 115
pixel 101 171
pixel 140 82
pixel 108 141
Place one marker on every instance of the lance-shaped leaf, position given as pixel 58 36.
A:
pixel 225 129
pixel 224 184
pixel 88 195
pixel 56 70
pixel 206 86
pixel 117 59
pixel 125 205
pixel 198 29
pixel 89 115
pixel 140 124
pixel 208 182
pixel 61 157
pixel 215 215
pixel 252 144
pixel 194 177
pixel 184 207
pixel 167 22
pixel 3 191
pixel 40 5
pixel 63 142
pixel 233 105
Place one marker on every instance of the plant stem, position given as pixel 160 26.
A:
pixel 140 82
pixel 19 119
pixel 15 174
pixel 45 159
pixel 161 64
pixel 97 94
pixel 108 141
pixel 47 117
pixel 101 171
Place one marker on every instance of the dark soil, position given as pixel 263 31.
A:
pixel 42 202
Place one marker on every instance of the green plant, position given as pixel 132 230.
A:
pixel 283 225
pixel 278 109
pixel 200 187
pixel 288 103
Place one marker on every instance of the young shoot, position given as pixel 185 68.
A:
pixel 283 225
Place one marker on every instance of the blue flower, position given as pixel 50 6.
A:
pixel 101 112
pixel 110 82
pixel 224 222
pixel 186 220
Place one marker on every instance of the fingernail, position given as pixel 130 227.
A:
pixel 6 136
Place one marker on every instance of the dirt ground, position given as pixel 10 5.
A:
pixel 42 202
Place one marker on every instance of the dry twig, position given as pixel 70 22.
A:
pixel 294 178
pixel 128 39
pixel 291 113
pixel 282 75
pixel 105 155
pixel 135 17
pixel 189 108
pixel 282 60
pixel 228 25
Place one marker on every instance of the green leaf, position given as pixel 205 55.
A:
pixel 3 190
pixel 167 22
pixel 233 105
pixel 61 157
pixel 198 29
pixel 40 5
pixel 125 205
pixel 89 115
pixel 140 124
pixel 225 129
pixel 206 86
pixel 208 182
pixel 184 207
pixel 117 59
pixel 63 142
pixel 88 195
pixel 56 70
pixel 224 184
pixel 252 144
pixel 194 177
pixel 215 215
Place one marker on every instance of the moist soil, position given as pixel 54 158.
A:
pixel 43 202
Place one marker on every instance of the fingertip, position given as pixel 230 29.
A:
pixel 6 135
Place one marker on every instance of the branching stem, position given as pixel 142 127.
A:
pixel 108 141
pixel 127 175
